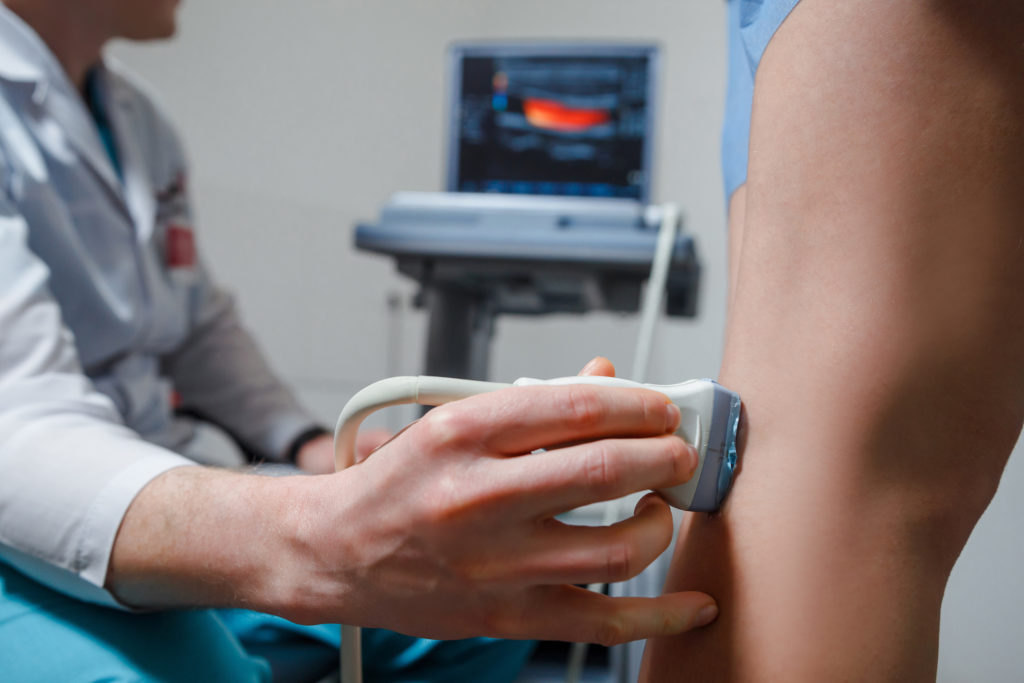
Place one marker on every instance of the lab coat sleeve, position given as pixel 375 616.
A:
pixel 69 469
pixel 221 374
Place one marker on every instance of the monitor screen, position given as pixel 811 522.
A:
pixel 569 119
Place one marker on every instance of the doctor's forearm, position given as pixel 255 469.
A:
pixel 203 537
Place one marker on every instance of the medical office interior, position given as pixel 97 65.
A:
pixel 302 118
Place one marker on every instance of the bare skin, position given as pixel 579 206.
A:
pixel 876 334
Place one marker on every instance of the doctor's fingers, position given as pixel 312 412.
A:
pixel 547 483
pixel 576 614
pixel 522 419
pixel 598 366
pixel 562 553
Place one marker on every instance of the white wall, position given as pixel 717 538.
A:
pixel 303 116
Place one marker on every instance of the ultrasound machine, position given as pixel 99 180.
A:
pixel 546 204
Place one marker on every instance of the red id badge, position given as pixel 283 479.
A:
pixel 180 247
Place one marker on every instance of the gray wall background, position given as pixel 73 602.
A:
pixel 301 118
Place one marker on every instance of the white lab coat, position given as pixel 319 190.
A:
pixel 104 309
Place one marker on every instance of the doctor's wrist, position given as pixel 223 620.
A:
pixel 317 455
pixel 299 442
pixel 310 579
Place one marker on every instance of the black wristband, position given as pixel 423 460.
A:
pixel 292 454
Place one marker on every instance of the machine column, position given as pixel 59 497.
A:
pixel 459 333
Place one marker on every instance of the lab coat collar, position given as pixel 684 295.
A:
pixel 122 110
pixel 24 57
pixel 66 106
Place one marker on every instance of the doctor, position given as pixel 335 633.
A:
pixel 110 323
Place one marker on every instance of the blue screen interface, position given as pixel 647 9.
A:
pixel 565 125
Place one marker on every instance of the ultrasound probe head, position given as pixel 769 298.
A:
pixel 716 433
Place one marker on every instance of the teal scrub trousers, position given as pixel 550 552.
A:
pixel 47 636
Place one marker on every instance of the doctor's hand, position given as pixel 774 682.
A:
pixel 446 531
pixel 449 530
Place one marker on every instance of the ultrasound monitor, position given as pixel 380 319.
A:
pixel 567 119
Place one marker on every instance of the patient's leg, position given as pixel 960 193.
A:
pixel 876 335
